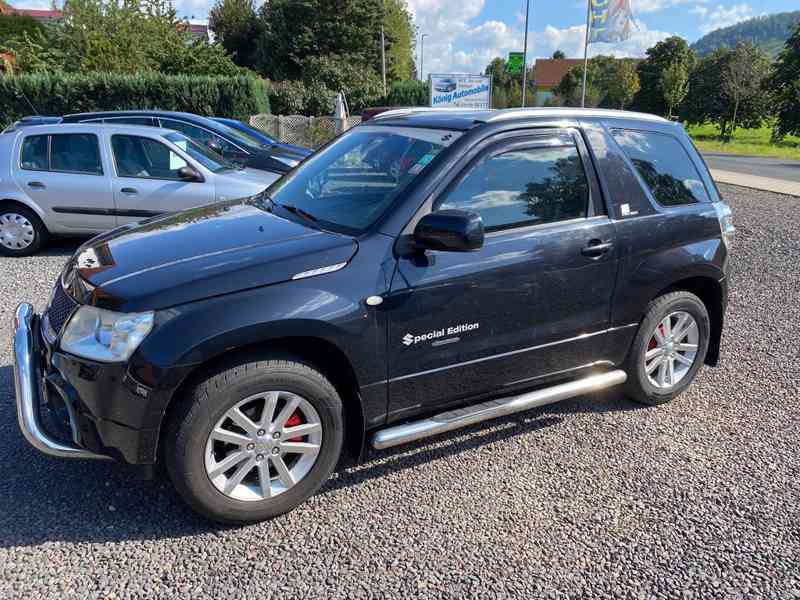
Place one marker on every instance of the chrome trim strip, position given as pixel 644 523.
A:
pixel 27 398
pixel 320 271
pixel 513 352
pixel 597 363
pixel 448 421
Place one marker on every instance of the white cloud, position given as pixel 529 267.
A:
pixel 570 41
pixel 723 17
pixel 648 6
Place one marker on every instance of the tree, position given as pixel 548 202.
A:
pixel 674 86
pixel 784 85
pixel 650 97
pixel 15 25
pixel 742 77
pixel 235 26
pixel 623 84
pixel 399 32
pixel 559 55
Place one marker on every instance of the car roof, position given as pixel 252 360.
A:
pixel 140 130
pixel 107 114
pixel 463 119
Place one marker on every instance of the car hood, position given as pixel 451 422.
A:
pixel 279 159
pixel 242 182
pixel 196 254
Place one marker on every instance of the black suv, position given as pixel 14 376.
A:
pixel 423 272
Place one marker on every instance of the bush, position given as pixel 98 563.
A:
pixel 408 93
pixel 287 97
pixel 59 94
pixel 361 85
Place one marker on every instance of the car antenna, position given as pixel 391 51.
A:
pixel 33 108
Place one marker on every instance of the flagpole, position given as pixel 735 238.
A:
pixel 586 51
pixel 525 54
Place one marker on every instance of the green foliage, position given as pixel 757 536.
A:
pixel 408 93
pixel 610 83
pixel 506 86
pixel 785 86
pixel 710 98
pixel 399 33
pixel 362 87
pixel 126 36
pixel 287 97
pixel 60 93
pixel 235 26
pixel 769 33
pixel 559 55
pixel 650 97
pixel 674 85
pixel 15 25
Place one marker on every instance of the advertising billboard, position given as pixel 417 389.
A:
pixel 462 91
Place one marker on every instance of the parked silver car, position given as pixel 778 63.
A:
pixel 87 178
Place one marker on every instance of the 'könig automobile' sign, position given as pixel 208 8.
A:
pixel 462 91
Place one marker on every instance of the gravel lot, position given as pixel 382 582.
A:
pixel 593 497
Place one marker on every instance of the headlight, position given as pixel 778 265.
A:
pixel 105 336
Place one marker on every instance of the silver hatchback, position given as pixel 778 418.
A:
pixel 87 178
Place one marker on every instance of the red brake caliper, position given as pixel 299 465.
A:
pixel 294 421
pixel 652 344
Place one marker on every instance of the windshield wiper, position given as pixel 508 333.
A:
pixel 298 211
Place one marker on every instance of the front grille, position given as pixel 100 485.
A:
pixel 60 308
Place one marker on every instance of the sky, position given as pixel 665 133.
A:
pixel 463 36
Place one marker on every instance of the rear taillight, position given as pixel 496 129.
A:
pixel 725 217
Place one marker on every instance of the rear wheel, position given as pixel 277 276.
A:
pixel 255 440
pixel 22 232
pixel 669 349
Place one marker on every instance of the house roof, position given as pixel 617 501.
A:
pixel 550 71
pixel 31 12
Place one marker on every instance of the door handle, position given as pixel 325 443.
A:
pixel 596 248
pixel 36 185
pixel 129 191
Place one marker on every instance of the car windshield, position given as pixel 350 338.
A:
pixel 241 137
pixel 202 154
pixel 349 184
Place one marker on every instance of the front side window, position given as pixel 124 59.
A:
pixel 350 183
pixel 198 134
pixel 136 156
pixel 664 165
pixel 202 154
pixel 34 155
pixel 530 186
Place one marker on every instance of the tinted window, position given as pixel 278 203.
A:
pixel 34 153
pixel 198 134
pixel 144 157
pixel 352 181
pixel 202 154
pixel 664 165
pixel 75 153
pixel 529 186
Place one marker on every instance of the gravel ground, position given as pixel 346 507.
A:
pixel 595 497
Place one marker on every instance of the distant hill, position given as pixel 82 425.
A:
pixel 768 33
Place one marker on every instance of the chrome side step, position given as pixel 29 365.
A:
pixel 455 419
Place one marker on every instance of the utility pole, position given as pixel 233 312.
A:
pixel 383 60
pixel 525 54
pixel 422 57
pixel 586 51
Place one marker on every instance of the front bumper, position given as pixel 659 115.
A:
pixel 27 383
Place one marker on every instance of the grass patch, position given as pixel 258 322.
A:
pixel 752 142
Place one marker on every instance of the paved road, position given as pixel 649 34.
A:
pixel 774 168
pixel 595 497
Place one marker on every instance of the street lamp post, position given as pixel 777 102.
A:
pixel 525 54
pixel 422 57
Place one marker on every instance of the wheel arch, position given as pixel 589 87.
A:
pixel 319 352
pixel 5 201
pixel 713 295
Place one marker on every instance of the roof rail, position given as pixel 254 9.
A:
pixel 398 112
pixel 567 112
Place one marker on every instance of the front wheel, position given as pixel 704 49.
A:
pixel 669 348
pixel 255 440
pixel 22 232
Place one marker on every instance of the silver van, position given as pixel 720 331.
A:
pixel 84 179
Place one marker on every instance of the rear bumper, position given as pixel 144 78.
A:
pixel 29 390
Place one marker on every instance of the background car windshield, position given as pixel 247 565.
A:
pixel 350 183
pixel 240 137
pixel 205 156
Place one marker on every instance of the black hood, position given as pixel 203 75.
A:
pixel 196 254
pixel 279 159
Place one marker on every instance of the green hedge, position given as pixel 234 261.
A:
pixel 408 93
pixel 59 94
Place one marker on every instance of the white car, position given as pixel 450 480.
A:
pixel 87 178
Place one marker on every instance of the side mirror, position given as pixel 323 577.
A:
pixel 189 174
pixel 215 146
pixel 450 231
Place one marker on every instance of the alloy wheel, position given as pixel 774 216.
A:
pixel 263 446
pixel 671 350
pixel 16 231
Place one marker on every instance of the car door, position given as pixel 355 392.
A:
pixel 533 302
pixel 64 174
pixel 146 181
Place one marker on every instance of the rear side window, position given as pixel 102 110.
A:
pixel 34 153
pixel 68 152
pixel 664 165
pixel 75 153
pixel 523 187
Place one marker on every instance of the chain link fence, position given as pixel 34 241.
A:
pixel 311 132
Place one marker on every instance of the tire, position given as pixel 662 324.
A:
pixel 652 389
pixel 191 455
pixel 28 221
